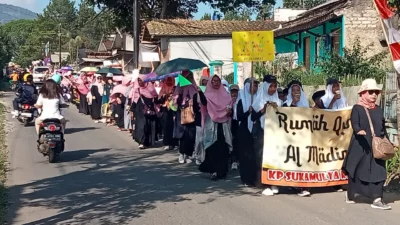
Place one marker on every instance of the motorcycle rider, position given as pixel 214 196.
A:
pixel 50 100
pixel 14 76
pixel 26 94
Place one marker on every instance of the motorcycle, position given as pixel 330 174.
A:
pixel 51 139
pixel 26 113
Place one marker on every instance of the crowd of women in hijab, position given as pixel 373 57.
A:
pixel 221 128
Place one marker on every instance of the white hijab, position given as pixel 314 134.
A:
pixel 303 103
pixel 225 84
pixel 327 98
pixel 263 98
pixel 245 96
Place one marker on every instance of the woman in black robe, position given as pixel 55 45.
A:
pixel 366 174
pixel 243 137
pixel 83 89
pixel 187 96
pixel 97 91
pixel 167 113
pixel 267 96
pixel 217 132
pixel 119 111
pixel 297 98
pixel 144 113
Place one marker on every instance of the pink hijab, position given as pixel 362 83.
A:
pixel 83 84
pixel 186 90
pixel 126 80
pixel 119 89
pixel 147 91
pixel 217 102
pixel 364 100
pixel 66 82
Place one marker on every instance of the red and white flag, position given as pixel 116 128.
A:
pixel 393 35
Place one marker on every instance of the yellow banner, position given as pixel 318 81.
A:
pixel 253 46
pixel 305 147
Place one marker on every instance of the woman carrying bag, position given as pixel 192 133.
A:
pixel 364 167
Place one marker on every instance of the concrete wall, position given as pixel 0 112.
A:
pixel 361 20
pixel 351 93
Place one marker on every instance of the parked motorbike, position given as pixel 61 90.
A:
pixel 51 139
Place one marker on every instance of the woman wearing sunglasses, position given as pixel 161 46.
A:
pixel 366 174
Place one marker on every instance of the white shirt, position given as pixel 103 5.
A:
pixel 50 107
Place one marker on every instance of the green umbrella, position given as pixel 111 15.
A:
pixel 107 70
pixel 179 64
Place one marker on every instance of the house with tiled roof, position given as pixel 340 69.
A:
pixel 330 27
pixel 206 40
pixel 120 46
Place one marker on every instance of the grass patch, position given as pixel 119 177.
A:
pixel 3 160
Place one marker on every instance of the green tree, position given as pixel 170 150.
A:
pixel 60 12
pixel 206 16
pixel 167 9
pixel 18 31
pixel 82 27
pixel 265 12
pixel 229 5
pixel 150 9
pixel 395 4
pixel 92 25
pixel 242 14
pixel 306 4
pixel 355 62
pixel 5 47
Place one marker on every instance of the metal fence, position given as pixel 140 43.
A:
pixel 390 97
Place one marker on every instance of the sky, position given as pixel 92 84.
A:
pixel 38 6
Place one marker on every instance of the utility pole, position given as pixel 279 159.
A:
pixel 136 30
pixel 59 45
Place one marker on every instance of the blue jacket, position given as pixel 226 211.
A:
pixel 28 93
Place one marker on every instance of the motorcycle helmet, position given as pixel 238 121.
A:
pixel 56 78
pixel 26 77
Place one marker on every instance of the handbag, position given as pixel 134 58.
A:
pixel 381 147
pixel 187 114
pixel 147 110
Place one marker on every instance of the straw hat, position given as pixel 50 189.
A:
pixel 369 85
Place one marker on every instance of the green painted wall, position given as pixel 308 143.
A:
pixel 284 46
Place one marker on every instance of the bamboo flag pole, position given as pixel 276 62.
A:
pixel 251 85
pixel 383 29
pixel 386 37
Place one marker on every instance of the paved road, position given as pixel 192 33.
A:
pixel 104 179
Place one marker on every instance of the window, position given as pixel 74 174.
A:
pixel 335 41
pixel 306 53
pixel 317 48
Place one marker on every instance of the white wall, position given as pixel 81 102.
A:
pixel 206 50
pixel 128 44
pixel 285 14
